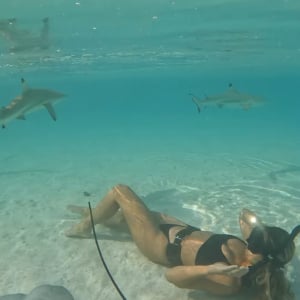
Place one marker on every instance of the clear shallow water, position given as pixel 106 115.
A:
pixel 127 69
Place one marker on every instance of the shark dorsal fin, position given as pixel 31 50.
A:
pixel 231 88
pixel 24 85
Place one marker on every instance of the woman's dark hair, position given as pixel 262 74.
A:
pixel 279 286
pixel 274 243
pixel 277 247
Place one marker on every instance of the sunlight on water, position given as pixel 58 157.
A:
pixel 114 35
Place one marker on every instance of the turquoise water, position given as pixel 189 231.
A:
pixel 127 68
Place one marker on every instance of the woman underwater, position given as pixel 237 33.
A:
pixel 220 264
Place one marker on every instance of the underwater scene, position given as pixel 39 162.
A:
pixel 194 105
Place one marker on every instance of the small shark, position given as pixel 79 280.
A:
pixel 30 100
pixel 291 169
pixel 21 39
pixel 231 97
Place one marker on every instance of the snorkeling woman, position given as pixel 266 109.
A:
pixel 220 264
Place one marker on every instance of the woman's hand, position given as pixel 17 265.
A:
pixel 231 270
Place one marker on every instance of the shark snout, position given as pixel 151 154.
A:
pixel 61 95
pixel 55 95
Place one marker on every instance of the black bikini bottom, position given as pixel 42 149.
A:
pixel 173 250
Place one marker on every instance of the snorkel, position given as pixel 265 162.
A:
pixel 294 233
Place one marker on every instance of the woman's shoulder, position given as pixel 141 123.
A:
pixel 235 251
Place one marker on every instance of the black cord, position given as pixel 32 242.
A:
pixel 101 256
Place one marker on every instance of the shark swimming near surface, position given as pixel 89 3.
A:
pixel 231 97
pixel 30 100
pixel 21 39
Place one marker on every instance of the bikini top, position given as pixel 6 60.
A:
pixel 209 253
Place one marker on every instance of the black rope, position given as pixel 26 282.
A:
pixel 101 256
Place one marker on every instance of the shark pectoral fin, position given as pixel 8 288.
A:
pixel 195 100
pixel 246 106
pixel 51 111
pixel 21 117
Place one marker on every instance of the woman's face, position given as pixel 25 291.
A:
pixel 248 220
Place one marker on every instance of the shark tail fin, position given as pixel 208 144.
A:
pixel 196 101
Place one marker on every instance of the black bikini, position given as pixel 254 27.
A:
pixel 174 249
pixel 209 253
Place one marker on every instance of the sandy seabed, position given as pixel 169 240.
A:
pixel 200 189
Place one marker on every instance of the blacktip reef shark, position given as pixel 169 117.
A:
pixel 231 97
pixel 21 39
pixel 30 100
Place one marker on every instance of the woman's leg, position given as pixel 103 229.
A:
pixel 116 222
pixel 143 227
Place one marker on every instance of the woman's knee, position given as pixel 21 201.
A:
pixel 122 187
pixel 126 197
pixel 124 190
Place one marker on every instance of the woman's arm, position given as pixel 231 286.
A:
pixel 218 278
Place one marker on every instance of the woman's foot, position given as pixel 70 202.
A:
pixel 77 231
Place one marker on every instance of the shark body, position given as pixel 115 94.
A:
pixel 22 40
pixel 231 97
pixel 29 101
